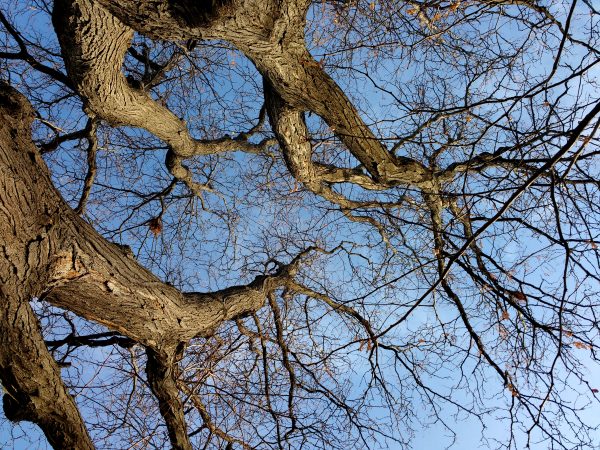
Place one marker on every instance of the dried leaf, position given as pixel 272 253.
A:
pixel 519 296
pixel 155 226
pixel 582 345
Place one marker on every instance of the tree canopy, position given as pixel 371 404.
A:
pixel 300 224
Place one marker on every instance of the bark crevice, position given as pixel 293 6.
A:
pixel 33 388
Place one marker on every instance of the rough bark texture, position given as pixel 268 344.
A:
pixel 162 376
pixel 94 44
pixel 50 252
pixel 270 33
pixel 75 268
pixel 29 213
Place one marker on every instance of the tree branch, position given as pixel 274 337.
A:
pixel 94 44
pixel 161 369
pixel 34 390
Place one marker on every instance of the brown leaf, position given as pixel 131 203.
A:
pixel 519 296
pixel 155 226
pixel 582 345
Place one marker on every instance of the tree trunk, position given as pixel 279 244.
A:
pixel 30 215
pixel 49 252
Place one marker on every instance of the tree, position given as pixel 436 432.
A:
pixel 392 210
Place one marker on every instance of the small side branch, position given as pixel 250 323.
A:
pixel 91 162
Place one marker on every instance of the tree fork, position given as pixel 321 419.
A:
pixel 51 253
pixel 33 388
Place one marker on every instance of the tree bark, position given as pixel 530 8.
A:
pixel 31 379
pixel 162 371
pixel 49 252
pixel 271 35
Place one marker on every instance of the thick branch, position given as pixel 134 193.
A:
pixel 274 40
pixel 161 369
pixel 292 133
pixel 82 272
pixel 94 44
pixel 34 390
pixel 302 83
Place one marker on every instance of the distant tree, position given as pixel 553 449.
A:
pixel 295 224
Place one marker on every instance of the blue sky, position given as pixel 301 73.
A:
pixel 261 223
